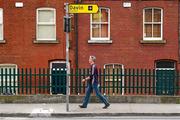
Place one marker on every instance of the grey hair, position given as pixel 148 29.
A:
pixel 93 58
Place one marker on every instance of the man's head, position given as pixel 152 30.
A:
pixel 92 59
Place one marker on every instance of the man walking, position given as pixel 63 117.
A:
pixel 93 84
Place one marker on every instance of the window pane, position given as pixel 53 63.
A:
pixel 157 30
pixel 6 70
pixel 116 66
pixel 100 24
pixel 109 69
pixel 104 30
pixel 148 15
pixel 1 32
pixel 8 80
pixel 1 16
pixel 95 30
pixel 165 64
pixel 157 15
pixel 108 66
pixel 46 16
pixel 148 30
pixel 96 17
pixel 46 32
pixel 104 15
pixel 109 72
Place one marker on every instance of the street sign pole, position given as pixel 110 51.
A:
pixel 67 60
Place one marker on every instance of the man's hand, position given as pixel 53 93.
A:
pixel 83 80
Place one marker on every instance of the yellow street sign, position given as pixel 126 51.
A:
pixel 83 8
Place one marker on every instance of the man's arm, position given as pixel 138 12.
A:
pixel 87 78
pixel 91 75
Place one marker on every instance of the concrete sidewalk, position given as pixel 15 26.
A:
pixel 116 109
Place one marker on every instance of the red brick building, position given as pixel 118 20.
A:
pixel 124 33
pixel 135 33
pixel 32 33
pixel 31 36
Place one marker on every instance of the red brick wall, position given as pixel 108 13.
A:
pixel 126 34
pixel 20 32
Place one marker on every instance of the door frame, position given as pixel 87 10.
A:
pixel 50 72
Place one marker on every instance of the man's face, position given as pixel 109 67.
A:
pixel 90 60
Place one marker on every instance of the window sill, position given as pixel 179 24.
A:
pixel 46 41
pixel 153 41
pixel 100 41
pixel 2 41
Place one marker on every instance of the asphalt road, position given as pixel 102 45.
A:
pixel 99 118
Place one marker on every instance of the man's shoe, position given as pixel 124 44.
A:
pixel 81 106
pixel 106 106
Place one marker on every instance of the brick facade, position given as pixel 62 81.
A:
pixel 20 32
pixel 126 32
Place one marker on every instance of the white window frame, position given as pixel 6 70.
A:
pixel 100 39
pixel 56 61
pixel 152 38
pixel 110 80
pixel 45 23
pixel 113 64
pixel 8 66
pixel 2 39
